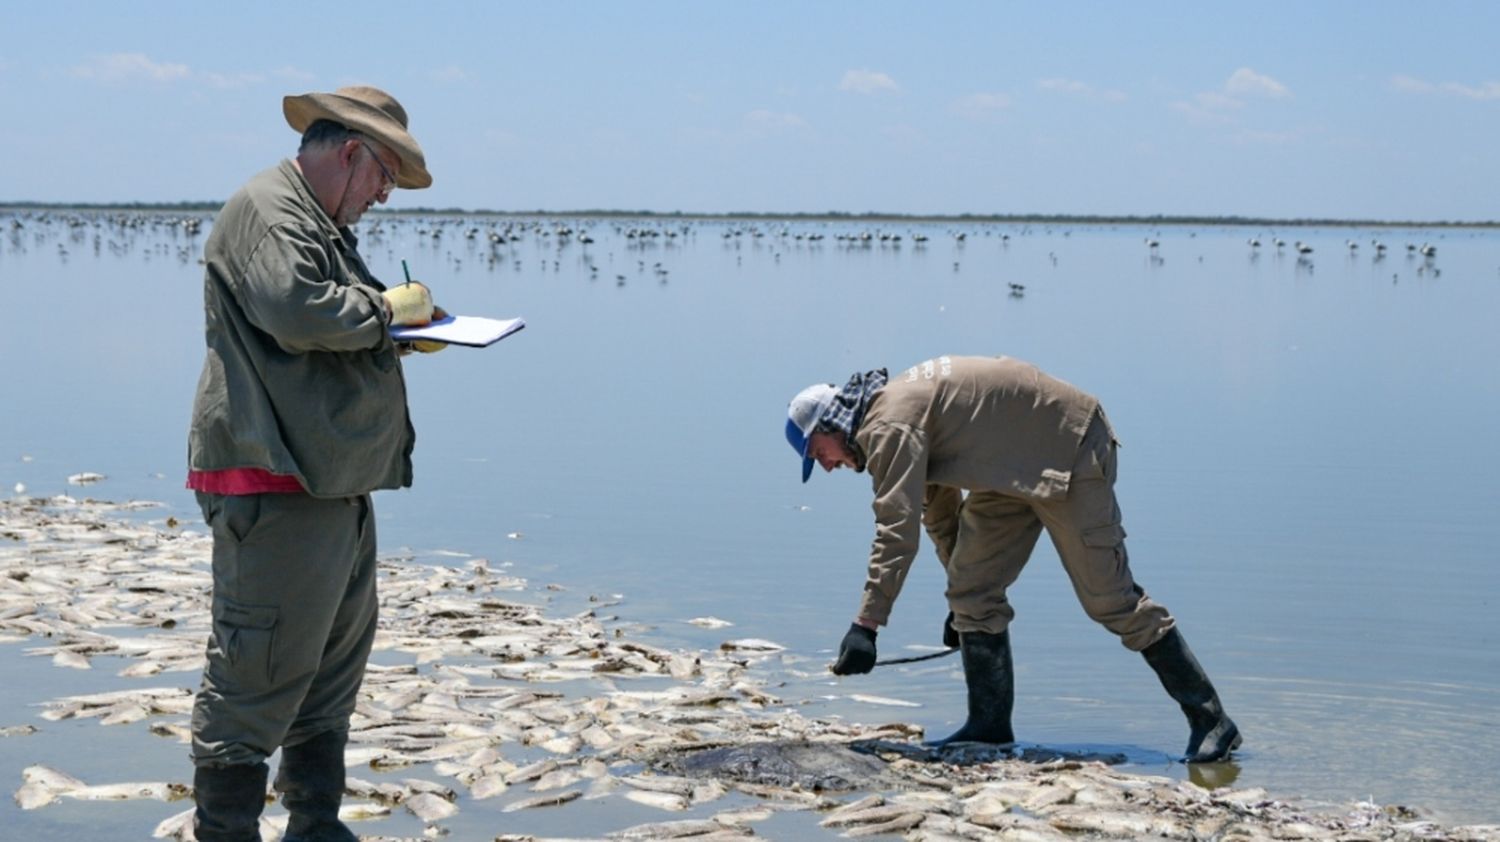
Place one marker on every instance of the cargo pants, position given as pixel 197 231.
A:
pixel 997 533
pixel 294 616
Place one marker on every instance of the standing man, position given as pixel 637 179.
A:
pixel 1032 452
pixel 300 414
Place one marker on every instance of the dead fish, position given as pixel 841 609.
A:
pixel 129 792
pixel 1115 823
pixel 706 791
pixel 33 795
pixel 659 800
pixel 430 807
pixel 72 660
pixel 896 825
pixel 178 826
pixel 85 478
pixel 51 778
pixel 866 803
pixel 487 786
pixel 883 700
pixel 557 779
pixel 662 783
pixel 710 623
pixel 531 772
pixel 543 801
pixel 17 730
pixel 869 815
pixel 743 815
pixel 363 811
pixel 124 714
pixel 668 830
pixel 750 644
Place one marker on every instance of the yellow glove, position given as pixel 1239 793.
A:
pixel 429 346
pixel 410 304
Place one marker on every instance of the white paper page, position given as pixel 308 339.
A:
pixel 475 331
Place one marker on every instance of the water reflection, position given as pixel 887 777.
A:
pixel 1297 478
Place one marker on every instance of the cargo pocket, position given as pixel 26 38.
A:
pixel 1104 537
pixel 246 636
pixel 1102 577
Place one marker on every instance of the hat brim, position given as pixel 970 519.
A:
pixel 302 111
pixel 800 442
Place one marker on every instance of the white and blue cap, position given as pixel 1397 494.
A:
pixel 803 414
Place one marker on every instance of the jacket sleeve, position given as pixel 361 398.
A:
pixel 940 516
pixel 291 290
pixel 896 457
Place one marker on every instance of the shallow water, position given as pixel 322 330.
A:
pixel 1302 475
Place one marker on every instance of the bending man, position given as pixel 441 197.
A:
pixel 1032 452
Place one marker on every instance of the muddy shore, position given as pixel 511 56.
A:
pixel 481 707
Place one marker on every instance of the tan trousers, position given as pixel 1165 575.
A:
pixel 294 616
pixel 997 532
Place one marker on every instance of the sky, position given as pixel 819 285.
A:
pixel 1349 110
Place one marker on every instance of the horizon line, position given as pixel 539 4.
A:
pixel 831 215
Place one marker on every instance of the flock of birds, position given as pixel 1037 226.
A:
pixel 1304 252
pixel 496 241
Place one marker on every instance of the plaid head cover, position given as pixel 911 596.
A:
pixel 849 407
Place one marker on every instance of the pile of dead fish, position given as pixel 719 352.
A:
pixel 473 695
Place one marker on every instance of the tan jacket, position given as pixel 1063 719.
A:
pixel 301 376
pixel 952 424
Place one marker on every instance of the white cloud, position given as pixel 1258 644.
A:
pixel 976 106
pixel 1484 90
pixel 867 82
pixel 121 67
pixel 451 73
pixel 1246 82
pixel 1216 100
pixel 1214 107
pixel 1083 89
pixel 1487 90
pixel 765 118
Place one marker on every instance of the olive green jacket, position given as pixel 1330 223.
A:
pixel 952 424
pixel 301 375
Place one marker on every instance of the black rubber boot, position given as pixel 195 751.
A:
pixel 1213 734
pixel 229 799
pixel 992 689
pixel 311 783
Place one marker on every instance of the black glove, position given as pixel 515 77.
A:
pixel 857 652
pixel 950 634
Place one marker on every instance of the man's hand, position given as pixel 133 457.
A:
pixel 410 304
pixel 857 652
pixel 429 346
pixel 950 634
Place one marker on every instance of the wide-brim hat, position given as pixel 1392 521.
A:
pixel 802 417
pixel 369 111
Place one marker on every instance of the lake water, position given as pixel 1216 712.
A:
pixel 1301 474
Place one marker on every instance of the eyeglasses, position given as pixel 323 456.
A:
pixel 390 178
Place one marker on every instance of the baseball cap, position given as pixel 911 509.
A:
pixel 802 418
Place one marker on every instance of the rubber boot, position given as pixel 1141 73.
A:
pixel 1213 734
pixel 230 800
pixel 311 783
pixel 992 689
